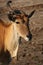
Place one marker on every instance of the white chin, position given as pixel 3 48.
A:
pixel 27 39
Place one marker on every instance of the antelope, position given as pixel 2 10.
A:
pixel 11 33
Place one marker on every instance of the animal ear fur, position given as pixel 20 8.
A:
pixel 30 15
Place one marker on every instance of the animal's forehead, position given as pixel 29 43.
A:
pixel 19 14
pixel 21 18
pixel 16 12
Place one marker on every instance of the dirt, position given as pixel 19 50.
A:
pixel 31 53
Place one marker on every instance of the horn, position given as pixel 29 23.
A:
pixel 9 4
pixel 10 14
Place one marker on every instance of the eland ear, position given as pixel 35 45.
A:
pixel 30 15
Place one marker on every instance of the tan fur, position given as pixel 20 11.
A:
pixel 8 39
pixel 1 36
pixel 9 35
pixel 10 30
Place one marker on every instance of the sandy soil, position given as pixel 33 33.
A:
pixel 31 53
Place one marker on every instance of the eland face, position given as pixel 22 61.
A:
pixel 21 21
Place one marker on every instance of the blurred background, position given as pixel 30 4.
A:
pixel 29 53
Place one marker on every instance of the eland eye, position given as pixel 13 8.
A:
pixel 17 22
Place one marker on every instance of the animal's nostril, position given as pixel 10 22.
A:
pixel 29 36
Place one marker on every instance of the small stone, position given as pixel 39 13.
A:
pixel 24 55
pixel 27 64
pixel 42 52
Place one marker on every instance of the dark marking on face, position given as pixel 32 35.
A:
pixel 10 16
pixel 12 13
pixel 30 36
pixel 23 21
pixel 16 12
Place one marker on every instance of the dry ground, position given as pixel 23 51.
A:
pixel 31 53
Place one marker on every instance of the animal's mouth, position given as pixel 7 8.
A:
pixel 28 38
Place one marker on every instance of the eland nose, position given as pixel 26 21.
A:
pixel 29 36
